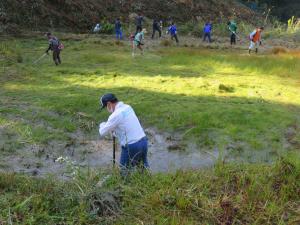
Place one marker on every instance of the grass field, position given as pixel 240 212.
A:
pixel 224 99
pixel 215 98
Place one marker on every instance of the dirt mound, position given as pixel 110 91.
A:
pixel 79 15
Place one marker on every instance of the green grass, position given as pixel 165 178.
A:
pixel 173 89
pixel 214 98
pixel 227 194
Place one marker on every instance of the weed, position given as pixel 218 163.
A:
pixel 245 193
pixel 166 42
pixel 107 28
pixel 224 88
pixel 119 43
pixel 279 50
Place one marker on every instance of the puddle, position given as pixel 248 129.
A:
pixel 165 155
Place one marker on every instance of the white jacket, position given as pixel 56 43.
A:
pixel 125 125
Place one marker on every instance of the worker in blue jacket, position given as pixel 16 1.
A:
pixel 118 29
pixel 207 32
pixel 173 32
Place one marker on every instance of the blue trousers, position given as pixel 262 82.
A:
pixel 135 154
pixel 207 35
pixel 119 34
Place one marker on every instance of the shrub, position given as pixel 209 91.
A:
pixel 107 28
pixel 224 88
pixel 279 50
pixel 119 43
pixel 166 43
pixel 191 28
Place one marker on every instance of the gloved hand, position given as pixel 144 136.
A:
pixel 260 43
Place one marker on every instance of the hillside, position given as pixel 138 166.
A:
pixel 79 15
pixel 282 9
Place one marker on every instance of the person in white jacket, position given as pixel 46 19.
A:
pixel 97 28
pixel 124 124
pixel 255 39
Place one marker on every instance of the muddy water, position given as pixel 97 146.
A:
pixel 166 154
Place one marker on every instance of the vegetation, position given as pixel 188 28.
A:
pixel 227 194
pixel 224 99
pixel 79 15
pixel 282 9
pixel 187 87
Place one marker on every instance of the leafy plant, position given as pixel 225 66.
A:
pixel 107 28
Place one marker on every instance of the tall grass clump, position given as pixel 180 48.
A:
pixel 279 50
pixel 293 25
pixel 225 194
pixel 107 28
pixel 25 200
pixel 11 52
pixel 192 28
pixel 166 42
pixel 228 194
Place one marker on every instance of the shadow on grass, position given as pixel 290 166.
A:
pixel 210 121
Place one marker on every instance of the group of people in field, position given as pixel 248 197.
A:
pixel 123 122
pixel 254 37
pixel 157 27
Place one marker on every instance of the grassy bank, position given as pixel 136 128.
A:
pixel 227 194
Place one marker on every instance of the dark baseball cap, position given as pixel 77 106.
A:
pixel 109 97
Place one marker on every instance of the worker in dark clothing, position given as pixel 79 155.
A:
pixel 156 27
pixel 139 23
pixel 55 47
pixel 118 29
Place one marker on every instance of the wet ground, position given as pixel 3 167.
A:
pixel 166 154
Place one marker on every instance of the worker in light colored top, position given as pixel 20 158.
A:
pixel 255 39
pixel 124 124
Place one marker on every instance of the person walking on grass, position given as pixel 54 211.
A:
pixel 232 26
pixel 55 46
pixel 118 29
pixel 138 41
pixel 255 39
pixel 207 32
pixel 173 32
pixel 161 25
pixel 156 27
pixel 124 125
